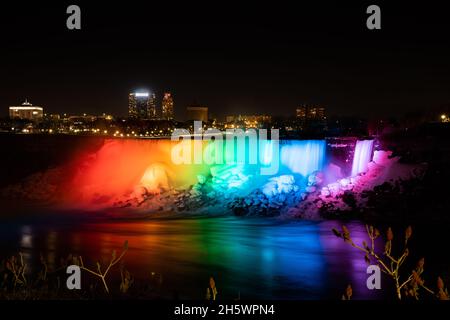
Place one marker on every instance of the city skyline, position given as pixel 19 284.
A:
pixel 318 55
pixel 152 110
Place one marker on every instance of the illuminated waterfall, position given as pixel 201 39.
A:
pixel 295 156
pixel 362 156
pixel 304 156
pixel 121 167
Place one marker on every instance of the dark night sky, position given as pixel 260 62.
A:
pixel 253 59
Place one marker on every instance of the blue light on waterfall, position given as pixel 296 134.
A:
pixel 266 152
pixel 303 157
pixel 296 156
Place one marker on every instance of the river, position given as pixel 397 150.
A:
pixel 249 258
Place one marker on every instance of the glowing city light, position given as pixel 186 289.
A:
pixel 141 94
pixel 26 108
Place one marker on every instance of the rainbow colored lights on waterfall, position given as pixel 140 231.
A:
pixel 122 165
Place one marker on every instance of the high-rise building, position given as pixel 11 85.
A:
pixel 305 112
pixel 302 112
pixel 151 109
pixel 137 105
pixel 142 105
pixel 167 107
pixel 311 118
pixel 317 113
pixel 26 111
pixel 197 113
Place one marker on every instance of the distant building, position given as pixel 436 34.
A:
pixel 311 119
pixel 82 119
pixel 198 113
pixel 317 113
pixel 311 113
pixel 167 107
pixel 248 121
pixel 151 110
pixel 105 116
pixel 54 117
pixel 301 112
pixel 258 118
pixel 230 118
pixel 142 105
pixel 26 111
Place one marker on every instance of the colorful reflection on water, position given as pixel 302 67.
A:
pixel 253 258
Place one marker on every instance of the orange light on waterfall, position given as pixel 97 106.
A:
pixel 123 167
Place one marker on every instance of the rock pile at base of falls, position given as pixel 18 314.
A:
pixel 276 197
pixel 193 198
pixel 201 195
pixel 225 188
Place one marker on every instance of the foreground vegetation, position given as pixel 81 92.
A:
pixel 109 281
pixel 408 283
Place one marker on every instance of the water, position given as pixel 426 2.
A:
pixel 303 156
pixel 362 156
pixel 253 258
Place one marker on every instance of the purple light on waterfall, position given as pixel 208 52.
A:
pixel 362 156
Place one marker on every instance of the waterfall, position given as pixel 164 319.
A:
pixel 304 156
pixel 294 156
pixel 362 156
pixel 123 167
